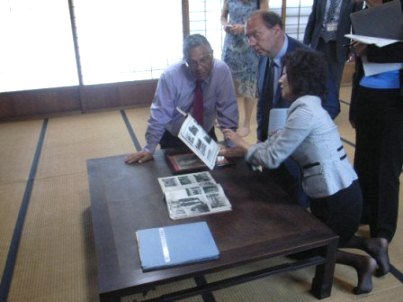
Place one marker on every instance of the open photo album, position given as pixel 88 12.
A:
pixel 193 194
pixel 198 140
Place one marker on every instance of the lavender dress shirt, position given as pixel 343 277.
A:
pixel 175 88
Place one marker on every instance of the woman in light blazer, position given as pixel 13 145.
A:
pixel 312 139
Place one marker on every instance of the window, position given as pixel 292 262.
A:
pixel 127 40
pixel 36 45
pixel 119 40
pixel 297 14
pixel 204 18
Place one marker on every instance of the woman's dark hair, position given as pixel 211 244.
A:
pixel 306 72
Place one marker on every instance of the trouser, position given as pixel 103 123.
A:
pixel 335 67
pixel 378 157
pixel 390 168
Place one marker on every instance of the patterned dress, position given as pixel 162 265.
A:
pixel 237 53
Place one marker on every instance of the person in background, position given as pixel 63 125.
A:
pixel 198 74
pixel 328 22
pixel 264 30
pixel 311 137
pixel 239 56
pixel 376 113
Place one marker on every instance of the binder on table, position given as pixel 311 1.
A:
pixel 180 244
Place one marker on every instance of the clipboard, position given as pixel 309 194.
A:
pixel 383 21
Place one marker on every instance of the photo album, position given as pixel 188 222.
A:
pixel 193 194
pixel 198 140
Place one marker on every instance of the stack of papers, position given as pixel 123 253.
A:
pixel 381 26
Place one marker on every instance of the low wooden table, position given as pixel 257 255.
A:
pixel 262 224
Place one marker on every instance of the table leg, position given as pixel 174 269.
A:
pixel 323 280
pixel 110 297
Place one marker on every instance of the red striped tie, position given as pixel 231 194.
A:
pixel 198 103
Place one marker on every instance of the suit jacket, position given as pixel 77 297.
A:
pixel 312 139
pixel 314 26
pixel 331 104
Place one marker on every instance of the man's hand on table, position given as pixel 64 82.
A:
pixel 138 157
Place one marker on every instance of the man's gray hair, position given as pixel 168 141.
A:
pixel 193 41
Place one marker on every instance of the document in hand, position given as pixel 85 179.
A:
pixel 175 245
pixel 198 140
pixel 380 42
pixel 382 21
pixel 277 119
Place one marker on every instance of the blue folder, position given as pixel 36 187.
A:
pixel 175 245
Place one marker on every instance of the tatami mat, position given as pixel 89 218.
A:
pixel 56 260
pixel 71 140
pixel 18 144
pixel 10 203
pixel 56 257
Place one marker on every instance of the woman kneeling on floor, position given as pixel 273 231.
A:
pixel 312 139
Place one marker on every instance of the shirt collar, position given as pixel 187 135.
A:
pixel 282 52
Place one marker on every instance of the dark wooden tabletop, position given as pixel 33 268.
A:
pixel 263 222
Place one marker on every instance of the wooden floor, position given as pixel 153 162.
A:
pixel 46 242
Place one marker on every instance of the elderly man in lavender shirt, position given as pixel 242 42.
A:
pixel 176 88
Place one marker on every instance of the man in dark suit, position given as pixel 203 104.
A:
pixel 264 30
pixel 328 22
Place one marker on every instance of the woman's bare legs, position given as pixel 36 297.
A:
pixel 248 104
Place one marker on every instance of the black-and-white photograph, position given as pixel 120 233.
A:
pixel 190 138
pixel 184 180
pixel 193 129
pixel 201 146
pixel 210 189
pixel 208 139
pixel 198 140
pixel 217 201
pixel 204 176
pixel 195 194
pixel 194 191
pixel 170 182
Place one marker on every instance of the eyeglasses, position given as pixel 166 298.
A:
pixel 254 36
pixel 204 61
